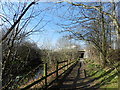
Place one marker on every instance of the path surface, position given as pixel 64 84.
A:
pixel 75 79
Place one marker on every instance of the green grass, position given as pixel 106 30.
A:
pixel 107 81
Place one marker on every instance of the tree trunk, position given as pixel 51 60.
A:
pixel 118 47
pixel 104 61
pixel 118 41
pixel 104 49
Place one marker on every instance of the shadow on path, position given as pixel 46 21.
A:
pixel 75 78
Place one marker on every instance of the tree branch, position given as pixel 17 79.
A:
pixel 16 22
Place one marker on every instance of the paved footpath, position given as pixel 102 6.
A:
pixel 75 79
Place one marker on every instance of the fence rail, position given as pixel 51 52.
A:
pixel 47 75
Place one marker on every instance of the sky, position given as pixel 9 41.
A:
pixel 51 30
pixel 67 0
pixel 52 15
pixel 49 19
pixel 50 35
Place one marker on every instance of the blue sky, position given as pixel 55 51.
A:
pixel 51 15
pixel 50 35
pixel 51 30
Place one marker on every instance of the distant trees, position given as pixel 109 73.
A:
pixel 67 49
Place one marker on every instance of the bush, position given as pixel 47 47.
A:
pixel 23 59
pixel 114 56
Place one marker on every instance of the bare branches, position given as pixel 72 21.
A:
pixel 17 21
pixel 115 21
pixel 93 24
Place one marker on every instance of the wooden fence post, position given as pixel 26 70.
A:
pixel 64 67
pixel 45 73
pixel 57 70
pixel 67 64
pixel 85 73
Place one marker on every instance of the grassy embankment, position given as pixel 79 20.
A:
pixel 101 77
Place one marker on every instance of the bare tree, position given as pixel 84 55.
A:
pixel 94 27
pixel 18 21
pixel 103 32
